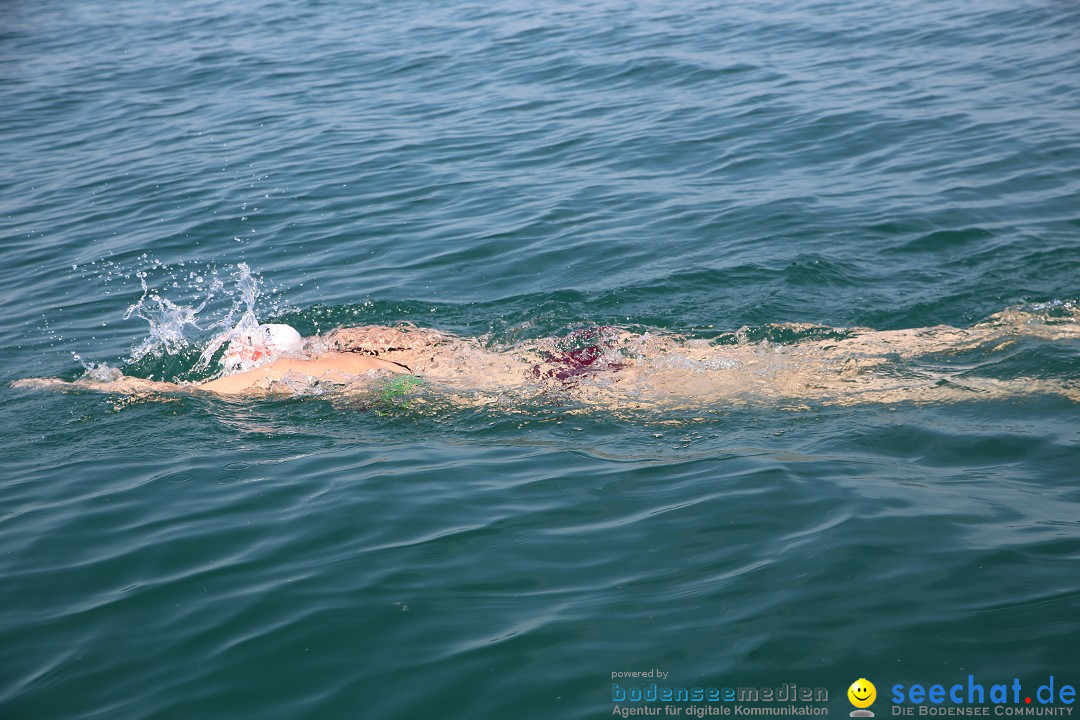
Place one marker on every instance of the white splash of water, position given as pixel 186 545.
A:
pixel 97 371
pixel 166 319
pixel 247 286
pixel 174 327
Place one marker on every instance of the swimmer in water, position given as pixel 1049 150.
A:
pixel 614 368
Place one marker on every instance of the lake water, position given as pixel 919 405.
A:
pixel 514 171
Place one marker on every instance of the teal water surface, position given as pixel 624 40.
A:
pixel 519 170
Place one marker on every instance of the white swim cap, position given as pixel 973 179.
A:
pixel 282 338
pixel 265 342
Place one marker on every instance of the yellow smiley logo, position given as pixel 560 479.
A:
pixel 862 693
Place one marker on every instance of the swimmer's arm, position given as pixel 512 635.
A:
pixel 229 385
pixel 249 381
pixel 332 366
pixel 255 380
pixel 123 384
pixel 339 367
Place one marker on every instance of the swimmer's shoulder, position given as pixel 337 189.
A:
pixel 357 363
